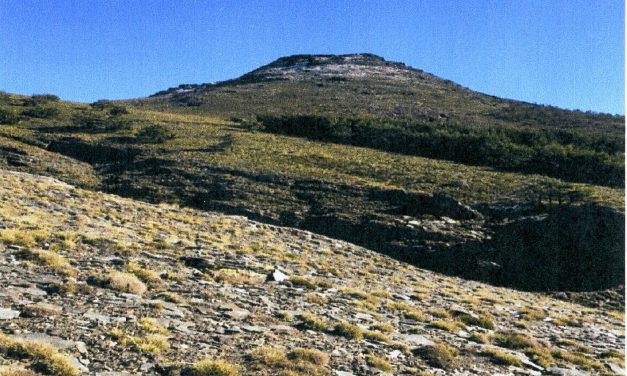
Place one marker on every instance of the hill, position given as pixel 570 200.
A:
pixel 365 84
pixel 364 100
pixel 462 220
pixel 101 284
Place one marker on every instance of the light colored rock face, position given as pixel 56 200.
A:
pixel 357 66
pixel 208 296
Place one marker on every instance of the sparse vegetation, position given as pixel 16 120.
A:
pixel 43 355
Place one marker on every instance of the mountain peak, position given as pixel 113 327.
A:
pixel 334 67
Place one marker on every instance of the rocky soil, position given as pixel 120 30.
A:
pixel 122 287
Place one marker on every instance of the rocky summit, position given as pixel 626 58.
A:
pixel 102 285
pixel 335 67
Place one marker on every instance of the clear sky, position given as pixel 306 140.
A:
pixel 568 53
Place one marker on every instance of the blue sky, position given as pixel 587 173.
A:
pixel 567 53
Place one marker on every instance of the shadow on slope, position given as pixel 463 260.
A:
pixel 565 248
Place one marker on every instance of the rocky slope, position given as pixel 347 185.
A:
pixel 448 217
pixel 113 286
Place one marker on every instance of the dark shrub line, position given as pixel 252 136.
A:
pixel 577 156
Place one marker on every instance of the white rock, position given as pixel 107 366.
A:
pixel 8 313
pixel 277 276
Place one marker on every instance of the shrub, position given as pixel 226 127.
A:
pixel 117 110
pixel 125 282
pixel 312 356
pixel 484 321
pixel 101 104
pixel 299 361
pixel 97 123
pixel 215 367
pixel 313 322
pixel 512 340
pixel 377 336
pixel 384 327
pixel 39 99
pixel 378 363
pixel 154 134
pixel 500 357
pixel 51 361
pixel 270 356
pixel 449 326
pixel 581 156
pixel 41 112
pixel 51 259
pixel 438 355
pixel 8 117
pixel 348 330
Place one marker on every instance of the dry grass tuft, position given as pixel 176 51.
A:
pixel 438 355
pixel 313 322
pixel 501 357
pixel 215 367
pixel 125 282
pixel 379 363
pixel 41 354
pixel 348 330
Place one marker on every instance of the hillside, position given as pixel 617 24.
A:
pixel 453 218
pixel 364 100
pixel 110 285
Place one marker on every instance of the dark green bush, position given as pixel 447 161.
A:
pixel 114 109
pixel 39 99
pixel 8 117
pixel 101 104
pixel 95 122
pixel 117 110
pixel 154 134
pixel 41 112
pixel 571 155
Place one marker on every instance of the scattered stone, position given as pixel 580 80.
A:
pixel 104 319
pixel 276 276
pixel 8 314
pixel 238 314
pixel 343 373
pixel 561 371
pixel 417 340
pixel 81 367
pixel 254 329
